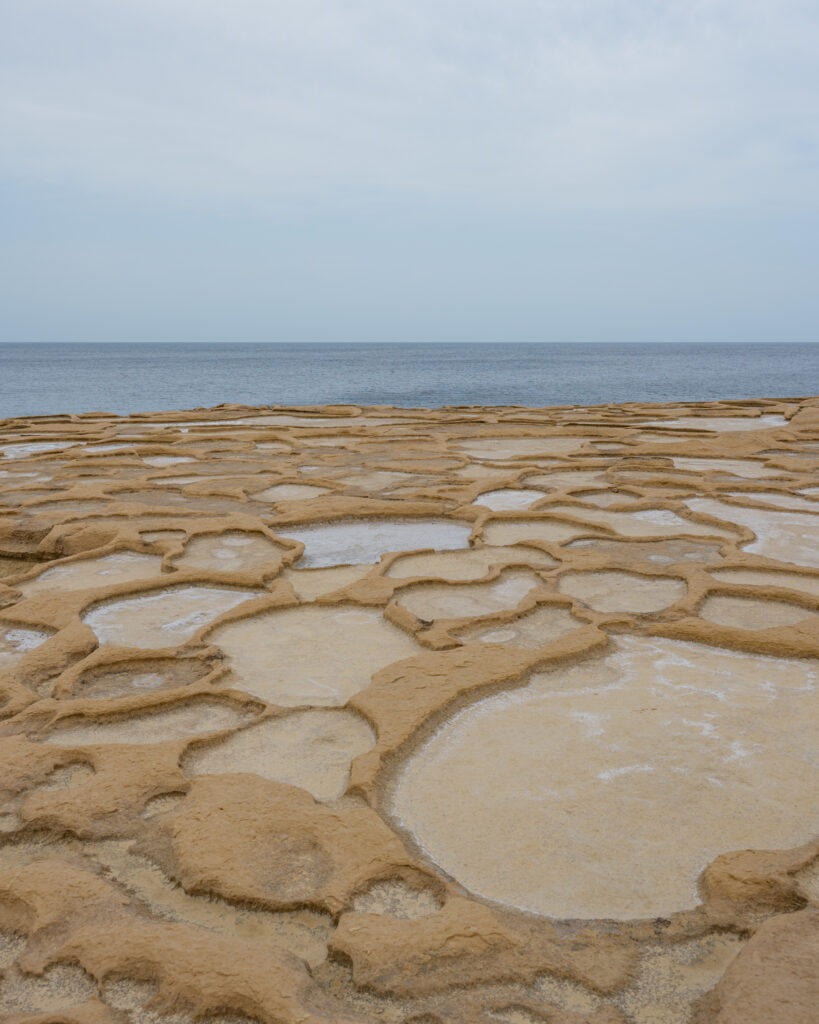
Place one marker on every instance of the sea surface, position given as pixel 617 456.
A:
pixel 125 378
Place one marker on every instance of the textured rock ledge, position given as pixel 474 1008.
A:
pixel 229 637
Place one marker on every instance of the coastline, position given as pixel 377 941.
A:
pixel 317 605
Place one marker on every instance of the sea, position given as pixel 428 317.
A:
pixel 47 379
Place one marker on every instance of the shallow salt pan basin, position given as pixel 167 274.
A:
pixel 377 480
pixel 472 564
pixel 180 481
pixel 662 552
pixel 536 629
pixel 188 719
pixel 721 422
pixel 16 642
pixel 22 449
pixel 497 532
pixel 567 478
pixel 615 591
pixel 769 578
pixel 289 492
pixel 790 502
pixel 483 472
pixel 511 447
pixel 751 612
pixel 602 499
pixel 361 541
pixel 310 749
pixel 429 601
pixel 130 678
pixel 101 449
pixel 786 536
pixel 312 583
pixel 655 522
pixel 162 618
pixel 166 460
pixel 229 552
pixel 736 467
pixel 310 655
pixel 645 764
pixel 121 567
pixel 508 499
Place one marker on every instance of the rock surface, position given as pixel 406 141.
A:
pixel 233 640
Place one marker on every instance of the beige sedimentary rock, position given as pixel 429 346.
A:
pixel 461 716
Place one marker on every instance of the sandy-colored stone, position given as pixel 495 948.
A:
pixel 229 637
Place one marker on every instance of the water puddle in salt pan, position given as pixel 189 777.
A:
pixel 790 502
pixel 663 552
pixel 289 492
pixel 508 499
pixel 312 583
pixel 310 655
pixel 786 536
pixel 144 676
pixel 472 564
pixel 166 460
pixel 181 481
pixel 379 480
pixel 654 522
pixel 520 447
pixel 16 642
pixel 614 591
pixel 480 472
pixel 189 719
pixel 22 449
pixel 162 618
pixel 229 552
pixel 729 423
pixel 537 629
pixel 121 567
pixel 360 541
pixel 643 764
pixel 310 749
pixel 430 601
pixel 516 531
pixel 603 499
pixel 751 612
pixel 736 467
pixel 566 478
pixel 769 578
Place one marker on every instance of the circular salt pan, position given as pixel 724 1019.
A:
pixel 603 789
pixel 751 612
pixel 361 541
pixel 430 601
pixel 729 423
pixel 520 447
pixel 228 552
pixel 614 591
pixel 163 618
pixel 310 749
pixel 310 655
pixel 508 499
pixel 120 567
pixel 786 536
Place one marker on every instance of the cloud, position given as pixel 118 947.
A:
pixel 589 104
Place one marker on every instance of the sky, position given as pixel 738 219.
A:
pixel 409 170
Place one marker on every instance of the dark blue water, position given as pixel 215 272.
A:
pixel 42 379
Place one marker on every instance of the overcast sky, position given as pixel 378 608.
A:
pixel 409 170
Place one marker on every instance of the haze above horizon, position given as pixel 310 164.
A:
pixel 579 170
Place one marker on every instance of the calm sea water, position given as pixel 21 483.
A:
pixel 42 379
